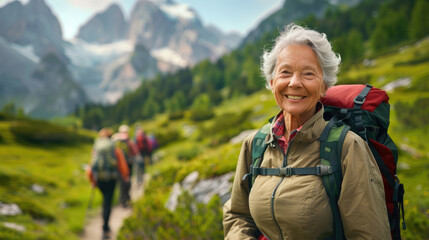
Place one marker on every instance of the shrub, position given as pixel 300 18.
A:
pixel 226 126
pixel 413 115
pixel 188 153
pixel 201 114
pixel 417 225
pixel 44 132
pixel 165 136
pixel 191 220
pixel 176 115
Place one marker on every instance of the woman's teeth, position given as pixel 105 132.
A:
pixel 294 97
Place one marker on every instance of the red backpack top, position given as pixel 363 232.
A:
pixel 366 110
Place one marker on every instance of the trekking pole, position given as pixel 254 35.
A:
pixel 91 200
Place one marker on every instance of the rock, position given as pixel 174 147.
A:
pixel 403 166
pixel 401 82
pixel 202 190
pixel 174 195
pixel 190 180
pixel 240 137
pixel 14 226
pixel 206 189
pixel 410 150
pixel 9 209
pixel 37 188
pixel 369 62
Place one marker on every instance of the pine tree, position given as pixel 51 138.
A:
pixel 419 26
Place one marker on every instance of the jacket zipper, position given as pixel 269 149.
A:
pixel 272 209
pixel 275 189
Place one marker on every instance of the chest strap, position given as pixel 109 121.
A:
pixel 287 171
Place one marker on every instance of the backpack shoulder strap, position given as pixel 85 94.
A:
pixel 331 143
pixel 258 143
pixel 258 149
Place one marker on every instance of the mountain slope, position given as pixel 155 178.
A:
pixel 292 10
pixel 58 94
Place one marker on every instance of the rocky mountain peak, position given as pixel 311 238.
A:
pixel 32 24
pixel 39 7
pixel 105 27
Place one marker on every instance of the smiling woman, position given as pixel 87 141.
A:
pixel 299 69
pixel 298 83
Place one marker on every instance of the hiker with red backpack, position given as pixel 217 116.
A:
pixel 143 144
pixel 108 164
pixel 301 177
pixel 123 141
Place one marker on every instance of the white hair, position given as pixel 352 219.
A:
pixel 297 35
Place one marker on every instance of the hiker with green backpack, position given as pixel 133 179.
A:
pixel 301 176
pixel 123 141
pixel 108 164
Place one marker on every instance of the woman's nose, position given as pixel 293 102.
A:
pixel 295 81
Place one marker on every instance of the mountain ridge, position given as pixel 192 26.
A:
pixel 33 31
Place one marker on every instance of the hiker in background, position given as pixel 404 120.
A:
pixel 143 145
pixel 153 142
pixel 298 70
pixel 107 161
pixel 122 140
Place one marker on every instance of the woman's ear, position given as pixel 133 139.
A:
pixel 324 89
pixel 272 85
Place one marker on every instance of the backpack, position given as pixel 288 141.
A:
pixel 104 164
pixel 125 145
pixel 153 142
pixel 365 111
pixel 143 143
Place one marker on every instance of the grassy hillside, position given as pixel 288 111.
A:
pixel 35 154
pixel 204 146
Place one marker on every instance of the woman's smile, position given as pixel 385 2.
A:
pixel 292 97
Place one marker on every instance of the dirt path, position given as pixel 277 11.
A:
pixel 92 229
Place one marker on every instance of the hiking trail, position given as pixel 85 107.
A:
pixel 92 229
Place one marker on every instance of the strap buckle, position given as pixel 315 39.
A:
pixel 285 171
pixel 324 170
pixel 359 100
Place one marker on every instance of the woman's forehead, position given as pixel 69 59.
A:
pixel 293 55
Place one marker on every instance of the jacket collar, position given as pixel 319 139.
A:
pixel 310 131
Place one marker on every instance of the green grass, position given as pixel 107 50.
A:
pixel 59 212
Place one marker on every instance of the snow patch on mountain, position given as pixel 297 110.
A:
pixel 179 11
pixel 85 54
pixel 170 56
pixel 27 51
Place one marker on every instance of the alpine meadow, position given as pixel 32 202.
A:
pixel 201 114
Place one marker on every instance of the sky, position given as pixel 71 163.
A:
pixel 229 15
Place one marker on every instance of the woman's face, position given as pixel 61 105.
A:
pixel 298 81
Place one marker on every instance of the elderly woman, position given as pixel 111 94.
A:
pixel 299 69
